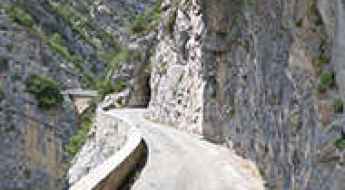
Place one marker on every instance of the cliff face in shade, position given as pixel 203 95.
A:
pixel 31 139
pixel 263 76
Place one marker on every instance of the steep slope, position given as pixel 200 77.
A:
pixel 32 137
pixel 264 76
pixel 46 47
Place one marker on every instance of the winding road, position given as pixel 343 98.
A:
pixel 180 161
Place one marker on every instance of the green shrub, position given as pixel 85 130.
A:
pixel 338 106
pixel 327 80
pixel 232 113
pixel 340 143
pixel 20 16
pixel 139 25
pixel 78 140
pixel 4 64
pixel 119 85
pixel 45 90
pixel 314 14
pixel 323 60
pixel 57 44
pixel 105 87
pixel 146 21
pixel 2 93
pixel 295 119
pixel 299 23
pixel 116 59
pixel 71 16
pixel 320 62
pixel 81 25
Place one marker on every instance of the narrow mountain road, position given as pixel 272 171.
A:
pixel 180 161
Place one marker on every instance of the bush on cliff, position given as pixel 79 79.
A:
pixel 20 16
pixel 338 105
pixel 78 140
pixel 340 143
pixel 105 87
pixel 45 90
pixel 2 93
pixel 147 21
pixel 327 80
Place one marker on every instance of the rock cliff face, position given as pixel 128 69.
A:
pixel 265 76
pixel 31 139
pixel 47 46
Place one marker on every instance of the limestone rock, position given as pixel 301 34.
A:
pixel 251 75
pixel 105 138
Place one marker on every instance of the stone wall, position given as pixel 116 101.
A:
pixel 105 138
pixel 251 73
pixel 112 152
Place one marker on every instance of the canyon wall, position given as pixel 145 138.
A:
pixel 46 47
pixel 264 77
pixel 31 139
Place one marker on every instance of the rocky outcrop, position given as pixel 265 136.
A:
pixel 136 71
pixel 176 79
pixel 259 75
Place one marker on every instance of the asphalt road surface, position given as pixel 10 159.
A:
pixel 181 161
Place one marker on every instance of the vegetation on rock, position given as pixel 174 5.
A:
pixel 81 24
pixel 320 62
pixel 56 43
pixel 2 93
pixel 338 105
pixel 45 90
pixel 105 87
pixel 78 140
pixel 4 65
pixel 340 143
pixel 78 22
pixel 327 80
pixel 20 16
pixel 146 21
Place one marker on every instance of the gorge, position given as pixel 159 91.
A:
pixel 263 79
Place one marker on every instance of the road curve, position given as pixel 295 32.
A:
pixel 180 161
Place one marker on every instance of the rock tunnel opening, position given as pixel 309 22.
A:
pixel 141 93
pixel 145 95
